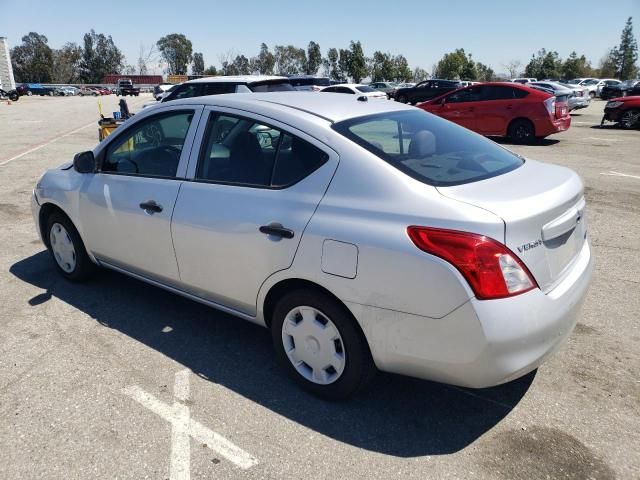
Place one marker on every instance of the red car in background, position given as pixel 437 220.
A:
pixel 624 111
pixel 503 110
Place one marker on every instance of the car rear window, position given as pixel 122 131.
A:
pixel 429 149
pixel 272 86
pixel 365 89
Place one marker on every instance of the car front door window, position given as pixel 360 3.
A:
pixel 151 148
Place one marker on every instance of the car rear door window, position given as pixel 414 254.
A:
pixel 499 92
pixel 241 151
pixel 472 94
pixel 151 147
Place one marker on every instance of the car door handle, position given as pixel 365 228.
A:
pixel 276 229
pixel 151 206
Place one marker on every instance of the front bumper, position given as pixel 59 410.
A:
pixel 35 212
pixel 483 342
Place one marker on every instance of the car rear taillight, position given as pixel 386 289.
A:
pixel 550 104
pixel 491 269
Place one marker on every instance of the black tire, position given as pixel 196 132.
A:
pixel 630 119
pixel 359 368
pixel 592 95
pixel 402 99
pixel 84 267
pixel 522 131
pixel 14 97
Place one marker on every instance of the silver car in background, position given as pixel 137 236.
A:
pixel 365 235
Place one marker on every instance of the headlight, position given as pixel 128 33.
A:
pixel 613 104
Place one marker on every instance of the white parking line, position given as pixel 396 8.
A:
pixel 618 174
pixel 602 139
pixel 183 427
pixel 42 145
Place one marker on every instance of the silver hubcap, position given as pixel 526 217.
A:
pixel 314 345
pixel 62 247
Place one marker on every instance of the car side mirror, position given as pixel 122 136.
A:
pixel 84 162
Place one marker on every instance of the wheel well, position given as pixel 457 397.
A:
pixel 45 211
pixel 521 118
pixel 285 286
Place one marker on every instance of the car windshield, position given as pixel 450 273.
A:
pixel 365 89
pixel 592 82
pixel 429 149
pixel 272 86
pixel 629 83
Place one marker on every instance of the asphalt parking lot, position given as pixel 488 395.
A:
pixel 118 379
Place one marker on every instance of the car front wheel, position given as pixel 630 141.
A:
pixel 630 118
pixel 319 344
pixel 67 249
pixel 402 99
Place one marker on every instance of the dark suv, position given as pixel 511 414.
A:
pixel 625 89
pixel 425 90
pixel 229 84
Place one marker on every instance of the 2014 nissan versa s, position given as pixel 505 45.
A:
pixel 365 235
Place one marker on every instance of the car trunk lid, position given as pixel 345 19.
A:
pixel 542 207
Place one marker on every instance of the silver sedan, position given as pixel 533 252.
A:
pixel 365 235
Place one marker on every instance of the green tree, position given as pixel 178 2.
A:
pixel 176 49
pixel 544 65
pixel 211 71
pixel 100 57
pixel 289 60
pixel 382 67
pixel 198 64
pixel 343 65
pixel 626 54
pixel 401 70
pixel 66 62
pixel 314 58
pixel 607 67
pixel 330 64
pixel 419 74
pixel 265 61
pixel 456 65
pixel 485 73
pixel 357 64
pixel 33 60
pixel 576 67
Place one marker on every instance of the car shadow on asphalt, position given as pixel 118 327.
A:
pixel 543 142
pixel 395 415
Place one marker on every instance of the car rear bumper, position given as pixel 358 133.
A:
pixel 483 342
pixel 548 126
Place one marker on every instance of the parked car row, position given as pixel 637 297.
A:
pixel 523 112
pixel 30 89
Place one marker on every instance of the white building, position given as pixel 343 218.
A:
pixel 6 70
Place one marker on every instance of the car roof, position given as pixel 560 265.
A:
pixel 237 79
pixel 331 107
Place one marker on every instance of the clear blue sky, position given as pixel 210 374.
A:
pixel 493 31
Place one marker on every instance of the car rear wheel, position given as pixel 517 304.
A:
pixel 521 131
pixel 592 95
pixel 319 344
pixel 630 118
pixel 67 249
